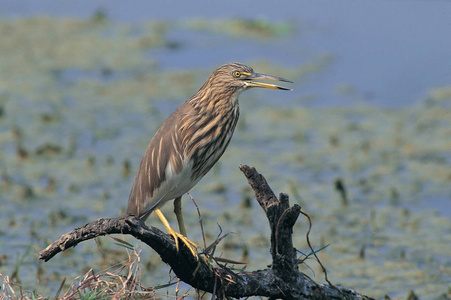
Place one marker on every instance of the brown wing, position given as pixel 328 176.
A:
pixel 166 146
pixel 201 135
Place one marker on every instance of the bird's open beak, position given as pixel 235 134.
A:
pixel 251 83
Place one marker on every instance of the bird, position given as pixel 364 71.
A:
pixel 189 143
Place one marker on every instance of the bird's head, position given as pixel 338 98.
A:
pixel 241 77
pixel 227 82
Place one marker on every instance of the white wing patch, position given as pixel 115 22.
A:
pixel 175 185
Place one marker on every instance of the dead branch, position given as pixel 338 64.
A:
pixel 281 280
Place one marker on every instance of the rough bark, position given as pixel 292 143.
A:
pixel 281 281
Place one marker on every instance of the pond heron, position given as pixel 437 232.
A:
pixel 190 142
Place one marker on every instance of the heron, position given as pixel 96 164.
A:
pixel 190 142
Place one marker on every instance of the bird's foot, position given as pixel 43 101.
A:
pixel 191 245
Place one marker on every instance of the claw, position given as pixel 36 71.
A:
pixel 191 245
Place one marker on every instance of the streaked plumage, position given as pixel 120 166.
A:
pixel 192 139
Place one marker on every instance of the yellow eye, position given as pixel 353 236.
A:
pixel 236 74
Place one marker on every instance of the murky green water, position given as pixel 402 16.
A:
pixel 80 100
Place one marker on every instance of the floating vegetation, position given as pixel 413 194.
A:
pixel 245 28
pixel 80 99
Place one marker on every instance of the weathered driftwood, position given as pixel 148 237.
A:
pixel 281 280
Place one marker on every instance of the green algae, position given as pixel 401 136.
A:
pixel 245 28
pixel 80 99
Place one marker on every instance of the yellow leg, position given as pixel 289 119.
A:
pixel 178 214
pixel 191 246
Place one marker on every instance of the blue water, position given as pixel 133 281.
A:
pixel 390 53
pixel 384 53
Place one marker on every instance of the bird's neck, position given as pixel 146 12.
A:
pixel 216 102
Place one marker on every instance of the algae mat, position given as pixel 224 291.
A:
pixel 80 99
